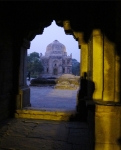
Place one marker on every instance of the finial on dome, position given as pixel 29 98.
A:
pixel 56 40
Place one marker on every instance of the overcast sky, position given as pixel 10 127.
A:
pixel 51 33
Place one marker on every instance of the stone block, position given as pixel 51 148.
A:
pixel 107 147
pixel 46 115
pixel 24 93
pixel 107 127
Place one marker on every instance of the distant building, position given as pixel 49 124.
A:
pixel 56 62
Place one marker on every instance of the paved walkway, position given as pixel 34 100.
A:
pixel 26 134
pixel 50 98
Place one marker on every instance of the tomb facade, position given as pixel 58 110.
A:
pixel 55 61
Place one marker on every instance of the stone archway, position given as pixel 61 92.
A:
pixel 104 71
pixel 24 99
pixel 68 30
pixel 100 59
pixel 87 59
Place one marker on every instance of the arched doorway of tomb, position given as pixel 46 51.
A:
pixel 55 67
pixel 63 70
pixel 55 71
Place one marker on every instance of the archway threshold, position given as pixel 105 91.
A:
pixel 45 114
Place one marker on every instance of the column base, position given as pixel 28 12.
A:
pixel 107 127
pixel 104 120
pixel 23 98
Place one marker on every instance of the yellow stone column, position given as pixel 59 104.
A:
pixel 97 63
pixel 117 79
pixel 109 70
pixel 108 112
pixel 84 59
pixel 107 127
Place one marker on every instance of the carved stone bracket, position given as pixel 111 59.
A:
pixel 79 36
pixel 67 27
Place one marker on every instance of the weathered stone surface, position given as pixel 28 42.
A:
pixel 28 134
pixel 105 134
pixel 20 131
pixel 34 144
pixel 50 132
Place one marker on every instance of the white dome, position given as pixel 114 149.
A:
pixel 55 47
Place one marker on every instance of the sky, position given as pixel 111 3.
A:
pixel 51 33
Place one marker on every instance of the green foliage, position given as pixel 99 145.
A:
pixel 75 67
pixel 34 55
pixel 34 65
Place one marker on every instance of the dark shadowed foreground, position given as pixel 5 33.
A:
pixel 23 134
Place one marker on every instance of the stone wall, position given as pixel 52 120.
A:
pixel 6 77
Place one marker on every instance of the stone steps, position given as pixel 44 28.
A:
pixel 44 114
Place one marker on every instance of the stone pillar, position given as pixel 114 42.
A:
pixel 84 59
pixel 97 64
pixel 107 127
pixel 117 79
pixel 108 110
pixel 108 118
pixel 23 98
pixel 104 68
pixel 23 71
pixel 109 69
pixel 118 53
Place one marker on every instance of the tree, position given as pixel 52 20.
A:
pixel 34 55
pixel 75 67
pixel 34 64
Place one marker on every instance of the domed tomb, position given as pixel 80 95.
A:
pixel 55 48
pixel 56 62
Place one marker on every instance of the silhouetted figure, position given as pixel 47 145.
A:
pixel 28 75
pixel 85 92
pixel 83 87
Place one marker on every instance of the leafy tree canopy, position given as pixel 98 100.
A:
pixel 75 67
pixel 34 65
pixel 34 54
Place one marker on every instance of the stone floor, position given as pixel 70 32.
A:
pixel 27 134
pixel 33 134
